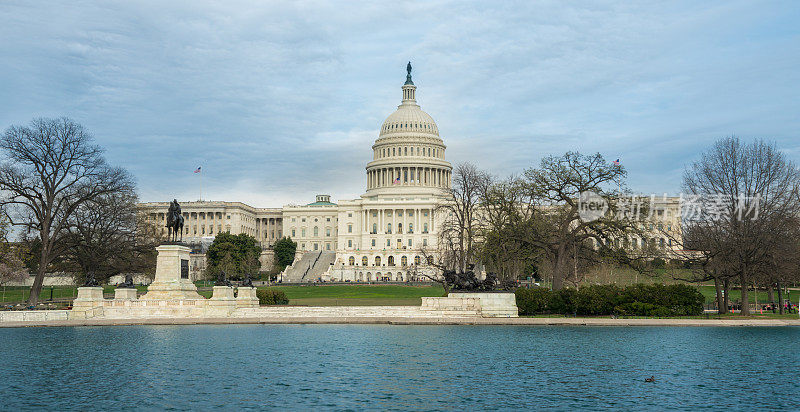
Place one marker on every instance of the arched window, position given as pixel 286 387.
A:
pixel 424 228
pixel 390 261
pixel 388 228
pixel 417 260
pixel 430 260
pixel 404 261
pixel 399 228
pixel 352 261
pixel 410 228
pixel 364 261
pixel 377 260
pixel 374 228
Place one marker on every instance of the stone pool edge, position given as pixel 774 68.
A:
pixel 408 321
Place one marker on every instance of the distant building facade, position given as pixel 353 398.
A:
pixel 374 238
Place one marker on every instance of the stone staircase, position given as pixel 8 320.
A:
pixel 309 268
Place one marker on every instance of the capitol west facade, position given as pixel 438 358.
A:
pixel 375 238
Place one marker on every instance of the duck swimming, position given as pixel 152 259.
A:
pixel 650 379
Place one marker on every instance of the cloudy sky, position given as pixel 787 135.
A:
pixel 282 100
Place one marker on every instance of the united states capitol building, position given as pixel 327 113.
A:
pixel 378 237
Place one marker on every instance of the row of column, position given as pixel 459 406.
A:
pixel 409 176
pixel 383 220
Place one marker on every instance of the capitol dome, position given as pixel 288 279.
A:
pixel 408 154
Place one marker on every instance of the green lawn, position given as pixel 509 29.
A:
pixel 18 294
pixel 736 294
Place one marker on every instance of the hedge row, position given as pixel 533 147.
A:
pixel 271 297
pixel 635 300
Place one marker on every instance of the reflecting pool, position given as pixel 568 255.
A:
pixel 356 367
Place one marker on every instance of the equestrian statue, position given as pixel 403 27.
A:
pixel 175 221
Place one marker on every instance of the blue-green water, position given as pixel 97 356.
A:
pixel 355 367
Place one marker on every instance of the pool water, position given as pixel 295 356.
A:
pixel 381 367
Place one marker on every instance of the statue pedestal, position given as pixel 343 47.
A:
pixel 89 296
pixel 222 302
pixel 125 294
pixel 246 297
pixel 88 303
pixel 172 276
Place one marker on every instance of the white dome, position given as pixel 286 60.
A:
pixel 409 118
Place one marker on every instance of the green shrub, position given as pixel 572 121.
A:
pixel 597 300
pixel 562 301
pixel 532 301
pixel 271 297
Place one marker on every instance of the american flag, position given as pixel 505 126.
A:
pixel 198 169
pixel 616 162
pixel 396 181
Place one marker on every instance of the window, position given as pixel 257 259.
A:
pixel 350 214
pixel 409 243
pixel 411 213
pixel 424 228
pixel 375 214
pixel 316 245
pixel 229 216
pixel 327 231
pixel 430 260
pixel 388 242
pixel 303 219
pixel 328 219
pixel 388 228
pixel 390 261
pixel 364 261
pixel 350 243
pixel 377 260
pixel 416 260
pixel 424 242
pixel 352 261
pixel 400 213
pixel 410 228
pixel 399 228
pixel 425 213
pixel 316 220
pixel 349 228
pixel 303 232
pixel 404 261
pixel 327 246
pixel 316 231
pixel 374 228
pixel 373 242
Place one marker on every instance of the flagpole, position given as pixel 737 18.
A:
pixel 201 185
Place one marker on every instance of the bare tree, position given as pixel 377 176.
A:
pixel 460 218
pixel 745 196
pixel 553 221
pixel 107 237
pixel 52 167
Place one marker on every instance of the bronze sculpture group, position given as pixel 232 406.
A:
pixel 175 221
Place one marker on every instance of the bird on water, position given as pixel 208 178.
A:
pixel 650 379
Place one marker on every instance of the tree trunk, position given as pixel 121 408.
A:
pixel 721 306
pixel 727 286
pixel 771 295
pixel 745 295
pixel 36 288
pixel 558 269
pixel 780 298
